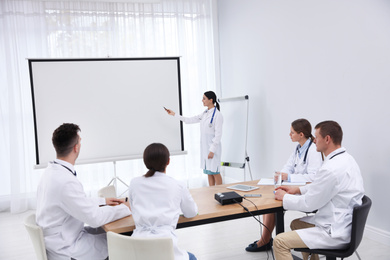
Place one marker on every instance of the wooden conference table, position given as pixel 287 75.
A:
pixel 211 211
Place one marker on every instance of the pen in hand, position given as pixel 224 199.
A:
pixel 170 112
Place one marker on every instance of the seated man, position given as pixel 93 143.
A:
pixel 336 189
pixel 63 207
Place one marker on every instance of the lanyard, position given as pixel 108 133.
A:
pixel 74 173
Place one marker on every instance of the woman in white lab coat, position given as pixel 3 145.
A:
pixel 305 161
pixel 157 200
pixel 302 166
pixel 211 122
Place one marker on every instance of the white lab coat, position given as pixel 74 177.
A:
pixel 62 210
pixel 156 203
pixel 336 189
pixel 210 137
pixel 300 171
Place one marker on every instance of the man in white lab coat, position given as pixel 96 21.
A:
pixel 336 189
pixel 63 207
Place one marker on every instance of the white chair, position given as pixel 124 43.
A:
pixel 121 247
pixel 107 192
pixel 36 236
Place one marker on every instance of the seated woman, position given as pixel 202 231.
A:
pixel 302 166
pixel 157 200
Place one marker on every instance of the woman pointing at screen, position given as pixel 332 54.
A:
pixel 211 122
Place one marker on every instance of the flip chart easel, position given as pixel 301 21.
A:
pixel 235 133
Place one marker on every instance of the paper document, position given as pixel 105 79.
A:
pixel 270 181
pixel 266 181
pixel 293 183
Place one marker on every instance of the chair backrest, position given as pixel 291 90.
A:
pixel 121 247
pixel 359 218
pixel 107 192
pixel 36 236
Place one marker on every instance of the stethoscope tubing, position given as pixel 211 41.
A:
pixel 212 117
pixel 304 158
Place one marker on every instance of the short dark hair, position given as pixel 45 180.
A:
pixel 156 158
pixel 302 126
pixel 65 137
pixel 331 128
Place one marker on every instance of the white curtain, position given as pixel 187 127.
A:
pixel 80 29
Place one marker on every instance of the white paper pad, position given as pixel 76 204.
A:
pixel 266 181
pixel 270 181
pixel 293 183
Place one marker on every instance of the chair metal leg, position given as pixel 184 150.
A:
pixel 296 257
pixel 358 255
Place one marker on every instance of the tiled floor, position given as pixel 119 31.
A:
pixel 227 240
pixel 224 240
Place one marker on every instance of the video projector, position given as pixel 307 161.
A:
pixel 228 197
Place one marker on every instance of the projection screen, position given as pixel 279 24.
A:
pixel 117 102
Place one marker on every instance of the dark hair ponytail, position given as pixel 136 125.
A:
pixel 302 126
pixel 217 105
pixel 156 158
pixel 211 95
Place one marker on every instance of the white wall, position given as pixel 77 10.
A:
pixel 318 60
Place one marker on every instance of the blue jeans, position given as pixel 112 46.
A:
pixel 192 256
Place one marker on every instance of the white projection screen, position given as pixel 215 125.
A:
pixel 117 102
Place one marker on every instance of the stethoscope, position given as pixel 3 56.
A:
pixel 74 173
pixel 336 155
pixel 304 158
pixel 212 118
